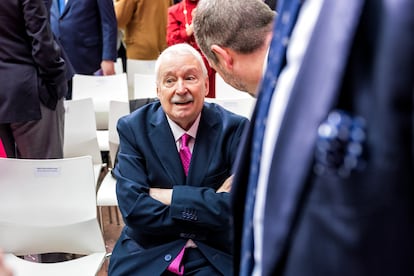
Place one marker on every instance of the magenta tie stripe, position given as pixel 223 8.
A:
pixel 185 153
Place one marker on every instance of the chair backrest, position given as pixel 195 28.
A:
pixel 136 66
pixel 80 132
pixel 144 86
pixel 116 110
pixel 48 205
pixel 101 89
pixel 241 106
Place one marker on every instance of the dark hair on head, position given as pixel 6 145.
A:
pixel 241 25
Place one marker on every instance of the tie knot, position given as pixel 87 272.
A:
pixel 185 139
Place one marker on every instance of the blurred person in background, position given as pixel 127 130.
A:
pixel 144 26
pixel 33 82
pixel 87 30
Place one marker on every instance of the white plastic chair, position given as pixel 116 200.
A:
pixel 241 106
pixel 80 133
pixel 101 89
pixel 49 205
pixel 144 86
pixel 106 195
pixel 136 66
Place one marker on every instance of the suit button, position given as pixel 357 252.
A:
pixel 167 257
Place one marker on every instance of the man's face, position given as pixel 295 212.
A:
pixel 182 88
pixel 231 78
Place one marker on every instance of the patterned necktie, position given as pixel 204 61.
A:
pixel 62 4
pixel 277 56
pixel 185 153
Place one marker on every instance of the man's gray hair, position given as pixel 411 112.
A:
pixel 241 25
pixel 179 50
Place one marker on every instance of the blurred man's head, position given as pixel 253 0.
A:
pixel 234 35
pixel 182 83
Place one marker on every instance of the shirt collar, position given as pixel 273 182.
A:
pixel 178 131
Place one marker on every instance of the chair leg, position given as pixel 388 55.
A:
pixel 100 218
pixel 110 214
pixel 117 215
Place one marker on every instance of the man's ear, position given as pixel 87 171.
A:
pixel 158 91
pixel 224 56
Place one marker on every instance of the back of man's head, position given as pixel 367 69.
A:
pixel 241 25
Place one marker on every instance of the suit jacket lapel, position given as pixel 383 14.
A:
pixel 312 96
pixel 167 153
pixel 205 147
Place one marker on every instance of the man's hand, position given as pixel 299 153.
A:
pixel 226 186
pixel 162 195
pixel 108 67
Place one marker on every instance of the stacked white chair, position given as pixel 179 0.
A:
pixel 136 66
pixel 101 89
pixel 106 195
pixel 144 86
pixel 80 133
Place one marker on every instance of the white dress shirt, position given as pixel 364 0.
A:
pixel 178 132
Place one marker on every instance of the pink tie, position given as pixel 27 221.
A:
pixel 176 265
pixel 2 150
pixel 185 152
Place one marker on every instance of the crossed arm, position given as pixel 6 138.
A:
pixel 165 195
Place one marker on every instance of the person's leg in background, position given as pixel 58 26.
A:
pixel 42 139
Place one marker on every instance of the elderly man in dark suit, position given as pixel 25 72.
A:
pixel 33 82
pixel 170 207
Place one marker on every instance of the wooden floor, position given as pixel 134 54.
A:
pixel 111 231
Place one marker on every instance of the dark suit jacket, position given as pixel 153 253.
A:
pixel 31 68
pixel 88 31
pixel 148 157
pixel 69 68
pixel 360 59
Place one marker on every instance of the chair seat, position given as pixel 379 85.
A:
pixel 83 266
pixel 103 139
pixel 107 192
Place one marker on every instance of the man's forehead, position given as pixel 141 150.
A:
pixel 172 68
